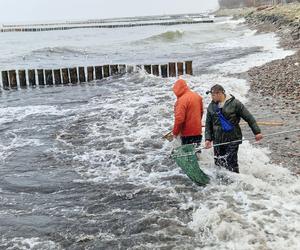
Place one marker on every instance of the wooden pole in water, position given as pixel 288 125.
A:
pixel 189 67
pixel 22 78
pixel 122 68
pixel 12 79
pixel 31 78
pixel 147 68
pixel 81 74
pixel 114 69
pixel 138 67
pixel 106 70
pixel 130 69
pixel 172 69
pixel 49 76
pixel 5 80
pixel 73 75
pixel 180 68
pixel 98 72
pixel 65 76
pixel 41 77
pixel 57 77
pixel 164 70
pixel 155 70
pixel 90 71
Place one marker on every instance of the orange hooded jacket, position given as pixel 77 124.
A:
pixel 188 111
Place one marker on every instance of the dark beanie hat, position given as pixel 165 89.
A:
pixel 215 89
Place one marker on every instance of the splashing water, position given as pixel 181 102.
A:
pixel 85 167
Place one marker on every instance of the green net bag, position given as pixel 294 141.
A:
pixel 185 157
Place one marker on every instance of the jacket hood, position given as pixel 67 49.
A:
pixel 180 87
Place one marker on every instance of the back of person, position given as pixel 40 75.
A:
pixel 188 111
pixel 193 124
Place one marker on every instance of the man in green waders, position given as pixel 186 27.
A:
pixel 222 125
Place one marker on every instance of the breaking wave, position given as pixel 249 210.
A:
pixel 168 36
pixel 58 50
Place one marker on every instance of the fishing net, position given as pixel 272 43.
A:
pixel 186 159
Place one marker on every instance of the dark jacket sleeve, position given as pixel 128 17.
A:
pixel 208 126
pixel 248 117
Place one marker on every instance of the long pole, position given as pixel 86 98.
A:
pixel 247 139
pixel 197 150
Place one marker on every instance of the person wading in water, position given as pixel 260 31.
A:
pixel 188 114
pixel 222 125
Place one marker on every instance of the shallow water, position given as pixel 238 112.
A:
pixel 84 167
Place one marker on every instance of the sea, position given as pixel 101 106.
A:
pixel 85 166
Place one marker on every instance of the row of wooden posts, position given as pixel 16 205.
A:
pixel 35 29
pixel 42 77
pixel 103 21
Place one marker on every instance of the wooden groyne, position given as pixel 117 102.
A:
pixel 102 26
pixel 109 20
pixel 15 79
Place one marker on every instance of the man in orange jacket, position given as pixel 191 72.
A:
pixel 188 114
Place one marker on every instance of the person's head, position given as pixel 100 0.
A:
pixel 217 93
pixel 180 87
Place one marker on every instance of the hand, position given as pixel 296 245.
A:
pixel 258 137
pixel 169 136
pixel 208 144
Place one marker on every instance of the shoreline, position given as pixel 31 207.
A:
pixel 275 86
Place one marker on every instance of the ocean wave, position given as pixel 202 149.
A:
pixel 168 36
pixel 58 50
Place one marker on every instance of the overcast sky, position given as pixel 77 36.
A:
pixel 40 10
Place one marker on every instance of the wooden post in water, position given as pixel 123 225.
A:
pixel 31 78
pixel 172 69
pixel 81 74
pixel 49 76
pixel 189 67
pixel 155 70
pixel 98 72
pixel 65 76
pixel 138 67
pixel 114 69
pixel 130 69
pixel 180 68
pixel 57 77
pixel 147 68
pixel 106 70
pixel 164 70
pixel 73 75
pixel 41 77
pixel 90 71
pixel 13 79
pixel 5 80
pixel 122 68
pixel 22 78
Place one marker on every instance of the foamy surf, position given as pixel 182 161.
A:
pixel 89 169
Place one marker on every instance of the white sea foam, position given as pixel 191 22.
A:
pixel 257 209
pixel 254 210
pixel 230 21
pixel 14 114
pixel 247 211
pixel 33 243
pixel 270 51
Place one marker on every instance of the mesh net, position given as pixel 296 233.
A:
pixel 186 159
